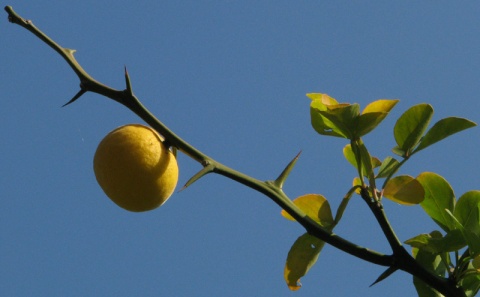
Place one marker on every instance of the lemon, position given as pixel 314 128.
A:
pixel 134 168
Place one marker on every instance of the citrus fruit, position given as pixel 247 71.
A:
pixel 134 168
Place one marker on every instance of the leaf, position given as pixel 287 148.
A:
pixel 442 129
pixel 398 151
pixel 410 127
pixel 439 197
pixel 476 262
pixel 301 257
pixel 436 243
pixel 432 262
pixel 342 118
pixel 320 123
pixel 373 115
pixel 357 182
pixel 323 98
pixel 316 207
pixel 388 167
pixel 467 209
pixel 404 189
pixel 471 284
pixel 468 215
pixel 376 162
pixel 350 156
pixel 363 157
pixel 471 238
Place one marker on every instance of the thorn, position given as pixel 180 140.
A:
pixel 283 176
pixel 384 275
pixel 127 82
pixel 78 95
pixel 205 170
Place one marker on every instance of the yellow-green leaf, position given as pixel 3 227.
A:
pixel 342 118
pixel 316 207
pixel 373 115
pixel 383 105
pixel 405 190
pixel 301 257
pixel 357 182
pixel 320 123
pixel 323 98
pixel 349 155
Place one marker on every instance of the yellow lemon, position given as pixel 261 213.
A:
pixel 135 169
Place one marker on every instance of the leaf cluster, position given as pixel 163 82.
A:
pixel 459 219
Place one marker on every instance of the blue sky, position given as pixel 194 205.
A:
pixel 230 77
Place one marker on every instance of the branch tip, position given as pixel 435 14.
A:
pixel 14 18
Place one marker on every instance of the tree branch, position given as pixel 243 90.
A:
pixel 400 259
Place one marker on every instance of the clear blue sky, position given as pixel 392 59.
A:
pixel 230 77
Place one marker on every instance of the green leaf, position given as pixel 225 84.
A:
pixel 471 238
pixel 471 284
pixel 342 118
pixel 301 257
pixel 398 151
pixel 432 262
pixel 439 197
pixel 363 157
pixel 405 190
pixel 373 115
pixel 322 124
pixel 316 207
pixel 388 167
pixel 467 213
pixel 324 113
pixel 436 243
pixel 467 210
pixel 410 127
pixel 476 262
pixel 443 129
pixel 350 156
